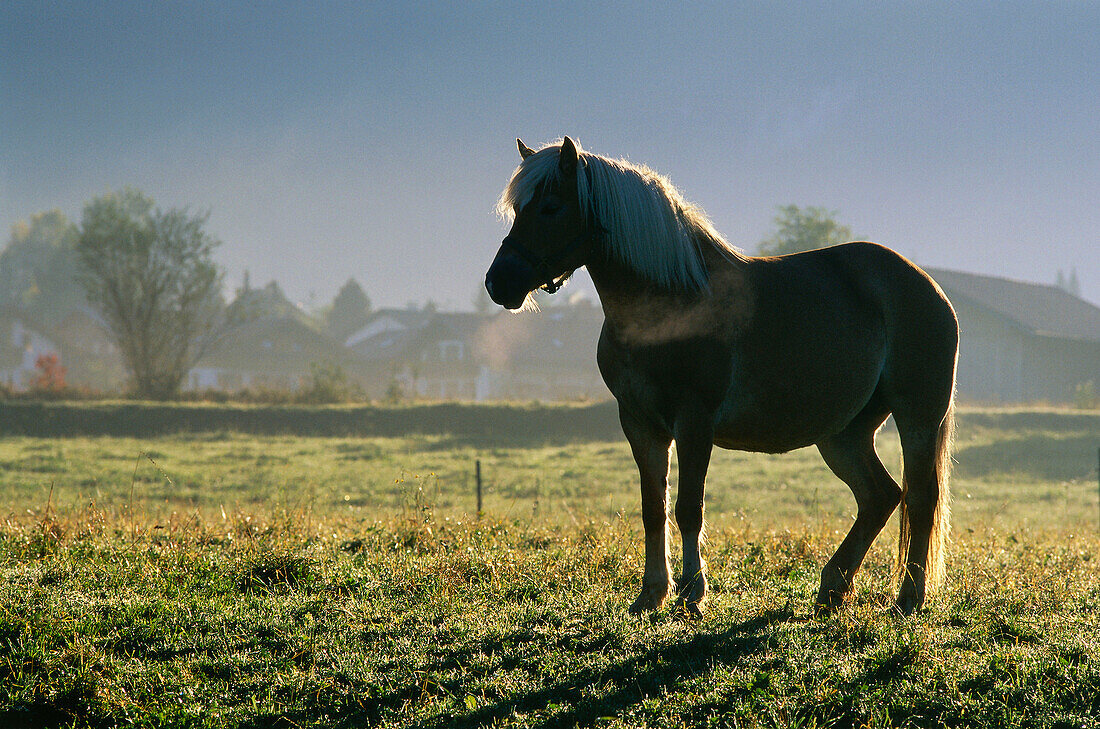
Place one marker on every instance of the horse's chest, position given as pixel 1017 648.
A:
pixel 653 381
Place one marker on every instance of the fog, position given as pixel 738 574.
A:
pixel 373 142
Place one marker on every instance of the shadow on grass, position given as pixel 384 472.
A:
pixel 651 673
pixel 1036 456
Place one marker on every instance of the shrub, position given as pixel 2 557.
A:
pixel 395 393
pixel 51 375
pixel 328 383
pixel 1085 397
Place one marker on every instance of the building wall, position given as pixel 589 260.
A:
pixel 1000 363
pixel 1053 368
pixel 991 353
pixel 27 345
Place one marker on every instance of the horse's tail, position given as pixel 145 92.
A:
pixel 941 519
pixel 941 523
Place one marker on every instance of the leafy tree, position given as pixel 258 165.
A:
pixel 152 275
pixel 328 383
pixel 349 311
pixel 804 229
pixel 38 267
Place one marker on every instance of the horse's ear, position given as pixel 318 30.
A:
pixel 567 158
pixel 524 150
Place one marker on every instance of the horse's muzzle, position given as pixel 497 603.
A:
pixel 509 280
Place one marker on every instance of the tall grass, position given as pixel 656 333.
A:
pixel 288 619
pixel 220 579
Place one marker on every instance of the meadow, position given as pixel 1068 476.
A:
pixel 265 579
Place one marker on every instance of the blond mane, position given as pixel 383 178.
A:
pixel 647 225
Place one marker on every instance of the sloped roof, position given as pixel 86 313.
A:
pixel 274 344
pixel 1036 308
pixel 392 321
pixel 555 336
pixel 419 329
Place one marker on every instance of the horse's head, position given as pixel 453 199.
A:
pixel 550 233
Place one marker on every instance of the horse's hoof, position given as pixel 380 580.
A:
pixel 828 602
pixel 652 598
pixel 906 606
pixel 689 609
pixel 910 599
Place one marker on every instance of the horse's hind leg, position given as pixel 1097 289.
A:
pixel 926 513
pixel 851 456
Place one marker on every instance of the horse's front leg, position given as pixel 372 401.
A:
pixel 694 441
pixel 651 454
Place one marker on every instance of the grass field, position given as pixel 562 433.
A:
pixel 221 579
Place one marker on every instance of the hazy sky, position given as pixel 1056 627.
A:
pixel 372 139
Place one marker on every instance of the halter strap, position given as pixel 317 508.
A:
pixel 540 263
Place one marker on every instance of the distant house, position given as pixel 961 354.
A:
pixel 544 356
pixel 1021 342
pixel 22 342
pixel 91 355
pixel 270 352
pixel 85 329
pixel 424 353
pixel 385 326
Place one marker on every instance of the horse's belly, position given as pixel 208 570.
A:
pixel 777 416
pixel 763 440
pixel 771 433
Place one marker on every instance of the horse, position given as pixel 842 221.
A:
pixel 704 346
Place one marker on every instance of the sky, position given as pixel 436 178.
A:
pixel 371 140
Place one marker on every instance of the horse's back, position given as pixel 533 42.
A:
pixel 831 329
pixel 901 286
pixel 810 356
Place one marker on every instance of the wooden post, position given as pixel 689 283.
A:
pixel 477 472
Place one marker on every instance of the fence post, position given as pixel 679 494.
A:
pixel 477 473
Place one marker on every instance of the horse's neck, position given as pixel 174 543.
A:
pixel 621 291
pixel 646 312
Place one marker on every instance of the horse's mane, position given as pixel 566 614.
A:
pixel 647 225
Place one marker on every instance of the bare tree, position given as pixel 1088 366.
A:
pixel 152 275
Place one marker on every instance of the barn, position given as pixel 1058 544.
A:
pixel 1022 342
